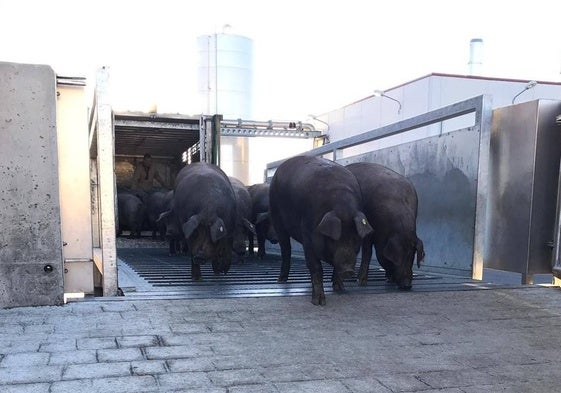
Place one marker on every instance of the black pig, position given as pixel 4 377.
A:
pixel 205 206
pixel 264 229
pixel 243 225
pixel 390 202
pixel 131 213
pixel 317 202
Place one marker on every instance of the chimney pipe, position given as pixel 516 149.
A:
pixel 475 56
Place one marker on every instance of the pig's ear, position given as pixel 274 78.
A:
pixel 392 250
pixel 420 251
pixel 217 230
pixel 190 226
pixel 362 225
pixel 330 226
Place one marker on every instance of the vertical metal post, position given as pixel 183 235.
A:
pixel 484 117
pixel 106 180
pixel 215 139
pixel 556 257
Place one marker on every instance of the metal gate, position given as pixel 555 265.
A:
pixel 449 171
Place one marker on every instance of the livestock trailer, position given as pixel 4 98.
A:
pixel 61 165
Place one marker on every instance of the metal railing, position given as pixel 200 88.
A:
pixel 482 108
pixel 480 105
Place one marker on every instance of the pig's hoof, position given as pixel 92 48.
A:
pixel 318 300
pixel 338 287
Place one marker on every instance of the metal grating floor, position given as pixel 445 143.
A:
pixel 150 272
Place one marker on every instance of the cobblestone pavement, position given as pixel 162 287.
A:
pixel 448 342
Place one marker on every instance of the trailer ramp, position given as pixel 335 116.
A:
pixel 152 273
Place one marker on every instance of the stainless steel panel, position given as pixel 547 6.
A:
pixel 450 172
pixel 444 171
pixel 524 162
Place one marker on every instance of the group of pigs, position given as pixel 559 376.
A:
pixel 332 210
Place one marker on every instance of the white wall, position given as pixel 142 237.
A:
pixel 423 95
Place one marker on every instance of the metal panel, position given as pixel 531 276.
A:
pixel 76 218
pixel 526 146
pixel 444 172
pixel 450 172
pixel 31 270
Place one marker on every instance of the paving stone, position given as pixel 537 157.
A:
pixel 402 382
pixel 121 354
pixel 236 377
pixel 26 388
pixel 259 388
pixel 25 359
pixel 455 378
pixel 237 362
pixel 75 386
pixel 184 380
pixel 132 384
pixel 176 352
pixel 192 364
pixel 225 327
pixel 137 341
pixel 67 344
pixel 148 367
pixel 73 357
pixel 366 385
pixel 38 329
pixel 97 370
pixel 17 344
pixel 97 343
pixel 330 386
pixel 22 374
pixel 182 328
pixel 180 339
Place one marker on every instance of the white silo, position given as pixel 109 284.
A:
pixel 226 87
pixel 226 75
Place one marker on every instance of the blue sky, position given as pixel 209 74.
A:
pixel 309 56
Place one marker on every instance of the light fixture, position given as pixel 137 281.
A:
pixel 528 86
pixel 380 93
pixel 314 117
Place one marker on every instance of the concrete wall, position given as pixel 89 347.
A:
pixel 31 270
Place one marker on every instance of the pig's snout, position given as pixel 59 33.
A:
pixel 405 285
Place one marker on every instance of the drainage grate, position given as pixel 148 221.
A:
pixel 171 276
